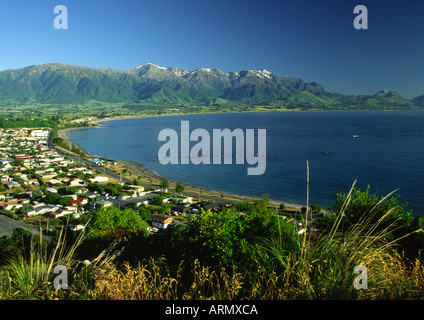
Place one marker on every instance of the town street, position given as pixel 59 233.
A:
pixel 8 224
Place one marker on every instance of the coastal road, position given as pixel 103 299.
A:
pixel 88 163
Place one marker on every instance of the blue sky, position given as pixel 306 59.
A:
pixel 313 40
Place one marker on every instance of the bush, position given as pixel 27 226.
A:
pixel 157 200
pixel 114 222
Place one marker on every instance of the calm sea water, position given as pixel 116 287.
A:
pixel 382 149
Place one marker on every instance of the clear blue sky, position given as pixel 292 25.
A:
pixel 313 40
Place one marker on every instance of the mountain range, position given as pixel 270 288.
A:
pixel 56 83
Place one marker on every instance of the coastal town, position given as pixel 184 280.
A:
pixel 43 185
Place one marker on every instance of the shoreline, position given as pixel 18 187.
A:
pixel 148 177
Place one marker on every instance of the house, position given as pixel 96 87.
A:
pixel 75 182
pixel 46 209
pixel 96 162
pixel 184 209
pixel 77 201
pixel 100 204
pixel 199 204
pixel 167 200
pixel 33 182
pixel 137 188
pixel 160 221
pixel 99 179
pixel 29 212
pixel 211 206
pixel 12 184
pixel 71 208
pixel 48 175
pixel 37 210
pixel 60 213
pixel 62 179
pixel 183 199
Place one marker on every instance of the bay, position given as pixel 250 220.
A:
pixel 382 149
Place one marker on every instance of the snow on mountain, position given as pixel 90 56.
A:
pixel 155 65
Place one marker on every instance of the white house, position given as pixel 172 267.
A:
pixel 99 179
pixel 60 213
pixel 160 221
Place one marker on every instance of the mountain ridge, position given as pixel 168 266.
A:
pixel 61 83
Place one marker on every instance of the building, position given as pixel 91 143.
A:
pixel 100 204
pixel 77 201
pixel 75 182
pixel 96 162
pixel 212 206
pixel 60 213
pixel 39 133
pixel 12 184
pixel 160 221
pixel 99 179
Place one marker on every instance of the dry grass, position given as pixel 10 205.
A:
pixel 152 281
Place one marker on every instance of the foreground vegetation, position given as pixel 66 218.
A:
pixel 245 251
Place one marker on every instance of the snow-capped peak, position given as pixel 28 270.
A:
pixel 155 65
pixel 263 73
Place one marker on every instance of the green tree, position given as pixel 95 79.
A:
pixel 17 162
pixel 64 200
pixel 157 200
pixel 164 182
pixel 315 208
pixel 179 187
pixel 227 236
pixel 145 214
pixel 385 212
pixel 52 198
pixel 37 194
pixel 363 204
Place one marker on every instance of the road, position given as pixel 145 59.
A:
pixel 86 162
pixel 8 224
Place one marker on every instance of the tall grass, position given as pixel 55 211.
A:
pixel 30 276
pixel 152 280
pixel 324 268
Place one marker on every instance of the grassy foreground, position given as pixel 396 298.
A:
pixel 306 266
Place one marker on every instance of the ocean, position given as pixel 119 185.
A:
pixel 384 150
